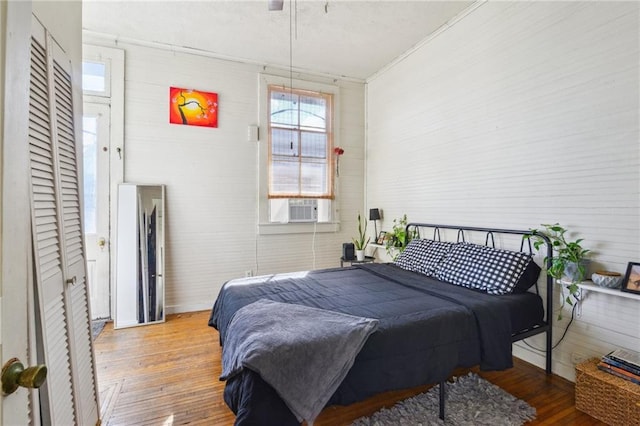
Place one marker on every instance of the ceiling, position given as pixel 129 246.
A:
pixel 350 39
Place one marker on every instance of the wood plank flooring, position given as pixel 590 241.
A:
pixel 167 374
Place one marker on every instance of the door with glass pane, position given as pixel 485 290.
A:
pixel 96 205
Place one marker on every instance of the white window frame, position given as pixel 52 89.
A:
pixel 265 227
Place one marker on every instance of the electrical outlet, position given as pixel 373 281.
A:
pixel 248 273
pixel 577 357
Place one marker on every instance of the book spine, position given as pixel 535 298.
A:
pixel 622 364
pixel 628 376
pixel 621 370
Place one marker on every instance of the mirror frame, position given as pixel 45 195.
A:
pixel 139 204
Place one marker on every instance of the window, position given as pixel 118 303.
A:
pixel 93 74
pixel 296 160
pixel 300 144
pixel 95 79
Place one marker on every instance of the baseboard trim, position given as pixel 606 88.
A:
pixel 178 309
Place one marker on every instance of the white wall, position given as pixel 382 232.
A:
pixel 520 114
pixel 211 175
pixel 3 9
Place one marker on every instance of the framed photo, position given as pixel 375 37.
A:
pixel 631 281
pixel 381 237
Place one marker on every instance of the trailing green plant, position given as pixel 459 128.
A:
pixel 398 238
pixel 566 255
pixel 362 240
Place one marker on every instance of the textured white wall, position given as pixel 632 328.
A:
pixel 211 175
pixel 520 114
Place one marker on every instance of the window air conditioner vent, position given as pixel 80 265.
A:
pixel 303 210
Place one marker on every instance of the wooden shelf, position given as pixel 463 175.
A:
pixel 590 286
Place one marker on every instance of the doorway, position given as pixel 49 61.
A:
pixel 103 143
pixel 96 173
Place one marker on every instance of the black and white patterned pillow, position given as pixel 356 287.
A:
pixel 422 255
pixel 483 268
pixel 410 258
pixel 435 254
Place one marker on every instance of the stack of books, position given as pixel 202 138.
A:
pixel 622 363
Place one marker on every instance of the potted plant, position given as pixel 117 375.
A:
pixel 360 243
pixel 398 238
pixel 569 261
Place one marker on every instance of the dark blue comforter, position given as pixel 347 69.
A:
pixel 426 329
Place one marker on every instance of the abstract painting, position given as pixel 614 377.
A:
pixel 193 107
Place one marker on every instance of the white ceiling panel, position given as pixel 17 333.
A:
pixel 351 39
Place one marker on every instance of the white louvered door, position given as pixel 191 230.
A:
pixel 69 396
pixel 80 319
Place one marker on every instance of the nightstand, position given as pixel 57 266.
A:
pixel 367 259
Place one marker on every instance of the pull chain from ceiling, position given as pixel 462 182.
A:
pixel 291 28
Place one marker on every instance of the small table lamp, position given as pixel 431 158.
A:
pixel 374 215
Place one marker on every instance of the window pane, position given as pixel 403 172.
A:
pixel 314 181
pixel 93 76
pixel 284 108
pixel 90 158
pixel 313 112
pixel 314 145
pixel 285 175
pixel 284 142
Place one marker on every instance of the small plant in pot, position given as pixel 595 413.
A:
pixel 569 261
pixel 360 243
pixel 398 238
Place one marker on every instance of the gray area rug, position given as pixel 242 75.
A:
pixel 470 400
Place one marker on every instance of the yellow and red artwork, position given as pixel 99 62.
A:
pixel 193 107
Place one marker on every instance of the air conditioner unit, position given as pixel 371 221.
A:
pixel 303 210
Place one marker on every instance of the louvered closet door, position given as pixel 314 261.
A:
pixel 74 256
pixel 69 395
pixel 57 393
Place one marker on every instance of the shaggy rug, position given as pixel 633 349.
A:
pixel 470 400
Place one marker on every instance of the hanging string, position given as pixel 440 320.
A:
pixel 291 65
pixel 291 28
pixel 291 46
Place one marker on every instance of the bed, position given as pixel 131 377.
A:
pixel 441 305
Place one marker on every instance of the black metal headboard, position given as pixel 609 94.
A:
pixel 546 327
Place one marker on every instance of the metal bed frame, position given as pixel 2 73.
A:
pixel 546 325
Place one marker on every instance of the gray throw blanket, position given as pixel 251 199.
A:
pixel 304 353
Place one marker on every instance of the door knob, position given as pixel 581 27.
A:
pixel 102 242
pixel 15 375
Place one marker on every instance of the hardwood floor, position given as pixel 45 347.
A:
pixel 166 374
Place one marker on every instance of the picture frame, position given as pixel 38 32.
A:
pixel 631 282
pixel 381 237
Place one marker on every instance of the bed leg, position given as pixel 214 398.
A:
pixel 549 349
pixel 442 390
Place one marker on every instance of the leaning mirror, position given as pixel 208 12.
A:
pixel 139 286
